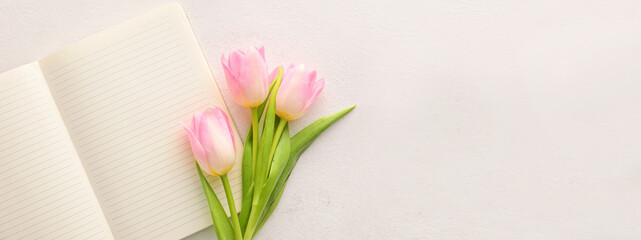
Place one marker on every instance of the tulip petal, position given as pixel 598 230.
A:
pixel 317 87
pixel 232 84
pixel 201 122
pixel 235 61
pixel 223 121
pixel 290 67
pixel 207 143
pixel 195 124
pixel 196 147
pixel 220 150
pixel 273 75
pixel 252 75
pixel 308 79
pixel 290 98
pixel 225 62
pixel 261 50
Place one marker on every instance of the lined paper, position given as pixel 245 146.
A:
pixel 122 94
pixel 45 193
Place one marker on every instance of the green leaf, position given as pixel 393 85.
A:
pixel 299 143
pixel 266 138
pixel 247 162
pixel 246 208
pixel 305 137
pixel 281 156
pixel 222 224
pixel 270 209
pixel 248 191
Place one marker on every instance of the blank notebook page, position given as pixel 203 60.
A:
pixel 44 192
pixel 122 94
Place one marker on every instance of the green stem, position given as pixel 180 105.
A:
pixel 254 140
pixel 279 132
pixel 232 206
pixel 256 180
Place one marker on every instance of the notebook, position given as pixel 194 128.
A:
pixel 91 145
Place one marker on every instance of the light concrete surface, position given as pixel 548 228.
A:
pixel 475 119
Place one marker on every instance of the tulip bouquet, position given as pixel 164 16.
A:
pixel 270 152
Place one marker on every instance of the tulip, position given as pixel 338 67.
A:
pixel 213 144
pixel 247 76
pixel 212 141
pixel 297 92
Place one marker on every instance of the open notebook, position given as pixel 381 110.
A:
pixel 91 144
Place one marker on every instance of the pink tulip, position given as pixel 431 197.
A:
pixel 246 74
pixel 212 141
pixel 297 92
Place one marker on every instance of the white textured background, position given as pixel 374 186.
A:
pixel 475 119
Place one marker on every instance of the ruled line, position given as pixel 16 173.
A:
pixel 129 142
pixel 140 104
pixel 175 120
pixel 107 47
pixel 51 207
pixel 118 164
pixel 171 212
pixel 164 203
pixel 34 167
pixel 135 108
pixel 149 180
pixel 171 229
pixel 92 223
pixel 201 209
pixel 139 163
pixel 195 197
pixel 87 119
pixel 108 66
pixel 35 111
pixel 158 135
pixel 120 58
pixel 74 207
pixel 100 77
pixel 90 236
pixel 188 214
pixel 40 148
pixel 62 178
pixel 48 134
pixel 133 173
pixel 192 197
pixel 40 180
pixel 27 88
pixel 15 181
pixel 129 76
pixel 30 105
pixel 16 127
pixel 77 89
pixel 20 201
pixel 157 171
pixel 149 217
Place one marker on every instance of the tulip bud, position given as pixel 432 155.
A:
pixel 212 141
pixel 297 92
pixel 246 74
